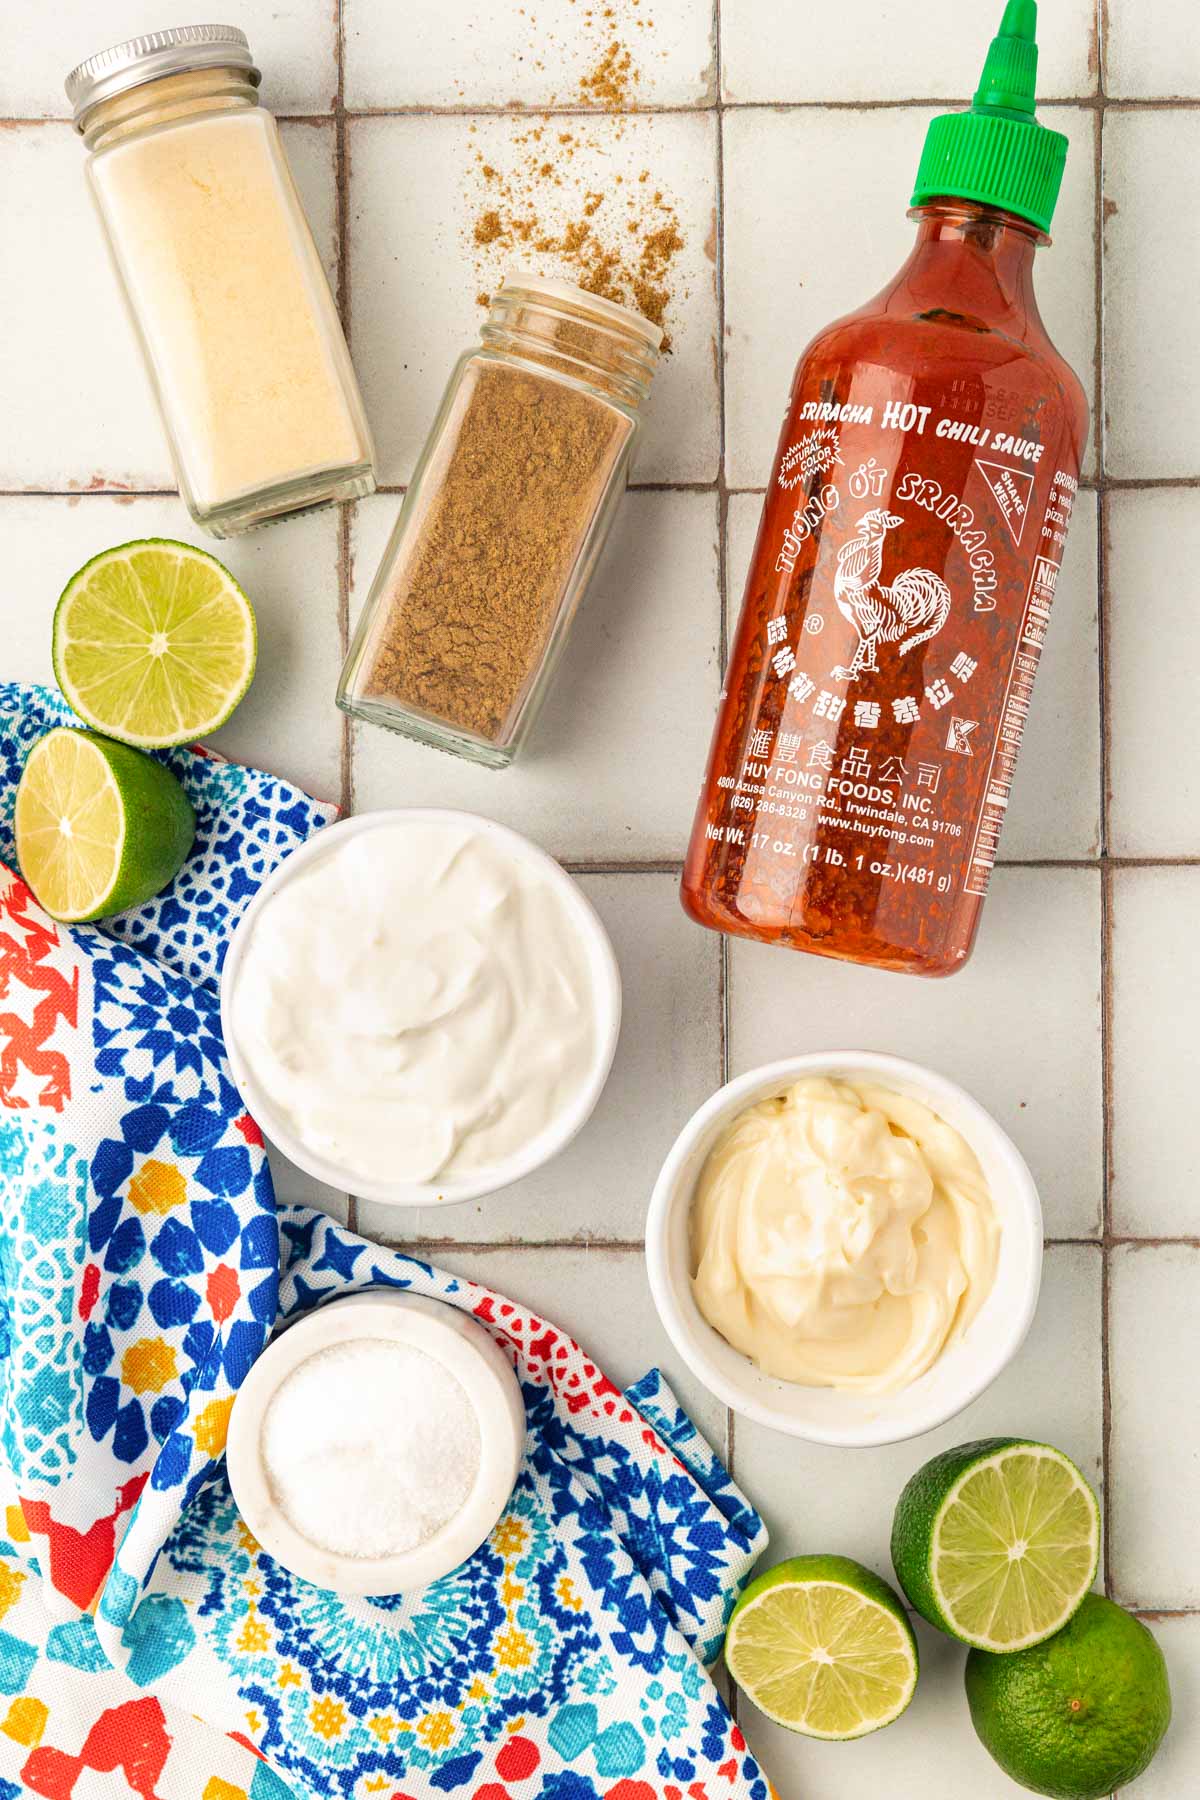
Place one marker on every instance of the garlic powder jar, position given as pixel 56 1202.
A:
pixel 226 290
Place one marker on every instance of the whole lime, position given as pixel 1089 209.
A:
pixel 1080 1714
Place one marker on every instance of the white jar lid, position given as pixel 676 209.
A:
pixel 153 55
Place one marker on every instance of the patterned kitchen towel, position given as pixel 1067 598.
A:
pixel 141 1266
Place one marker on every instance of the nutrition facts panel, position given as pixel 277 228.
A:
pixel 1012 724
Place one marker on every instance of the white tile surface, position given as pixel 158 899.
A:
pixel 668 1063
pixel 540 53
pixel 614 763
pixel 1152 265
pixel 604 1296
pixel 1148 56
pixel 294 43
pixel 1173 1772
pixel 416 270
pixel 873 50
pixel 801 1489
pixel 1019 1027
pixel 1055 811
pixel 1154 643
pixel 288 722
pixel 1155 1343
pixel 1156 1001
pixel 798 255
pixel 69 370
pixel 296 1187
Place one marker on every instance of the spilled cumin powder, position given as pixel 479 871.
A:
pixel 620 244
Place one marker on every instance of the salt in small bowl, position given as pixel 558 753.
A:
pixel 464 1348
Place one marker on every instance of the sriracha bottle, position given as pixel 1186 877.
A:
pixel 904 573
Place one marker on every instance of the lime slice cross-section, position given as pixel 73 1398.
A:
pixel 997 1542
pixel 824 1647
pixel 154 643
pixel 99 827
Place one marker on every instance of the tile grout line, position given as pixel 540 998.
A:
pixel 722 491
pixel 1106 872
pixel 346 508
pixel 1113 484
pixel 593 1241
pixel 1094 102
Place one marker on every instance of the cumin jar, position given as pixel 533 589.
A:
pixel 503 521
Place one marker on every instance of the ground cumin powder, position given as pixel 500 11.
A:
pixel 474 598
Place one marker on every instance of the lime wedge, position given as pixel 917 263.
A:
pixel 154 643
pixel 99 827
pixel 997 1542
pixel 824 1647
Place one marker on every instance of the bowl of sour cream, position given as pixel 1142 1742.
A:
pixel 420 1006
pixel 846 1247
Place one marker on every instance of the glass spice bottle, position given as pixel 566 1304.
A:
pixel 906 562
pixel 224 285
pixel 503 521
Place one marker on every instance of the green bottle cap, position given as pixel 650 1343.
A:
pixel 997 153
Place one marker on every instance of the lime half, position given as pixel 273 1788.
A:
pixel 997 1542
pixel 99 826
pixel 824 1647
pixel 154 643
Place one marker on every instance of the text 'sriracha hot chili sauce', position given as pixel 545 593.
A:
pixel 904 573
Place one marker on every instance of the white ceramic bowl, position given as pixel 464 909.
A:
pixel 831 1415
pixel 463 1347
pixel 450 1189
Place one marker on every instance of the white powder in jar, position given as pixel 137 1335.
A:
pixel 370 1447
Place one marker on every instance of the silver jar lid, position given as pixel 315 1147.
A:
pixel 155 54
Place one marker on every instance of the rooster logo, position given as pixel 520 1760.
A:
pixel 914 608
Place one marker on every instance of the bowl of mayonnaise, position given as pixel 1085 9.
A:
pixel 420 1006
pixel 845 1247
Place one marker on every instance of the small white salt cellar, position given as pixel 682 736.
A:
pixel 375 1443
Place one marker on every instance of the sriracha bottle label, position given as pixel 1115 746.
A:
pixel 880 681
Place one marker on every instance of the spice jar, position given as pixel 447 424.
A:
pixel 503 521
pixel 223 281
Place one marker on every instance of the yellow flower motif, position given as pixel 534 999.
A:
pixel 252 1587
pixel 436 1730
pixel 328 1717
pixel 478 1690
pixel 384 1725
pixel 11 1582
pixel 212 1426
pixel 513 1649
pixel 567 1595
pixel 148 1365
pixel 18 1530
pixel 254 1720
pixel 511 1591
pixel 510 1537
pixel 157 1187
pixel 255 1634
pixel 289 1676
pixel 247 1539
